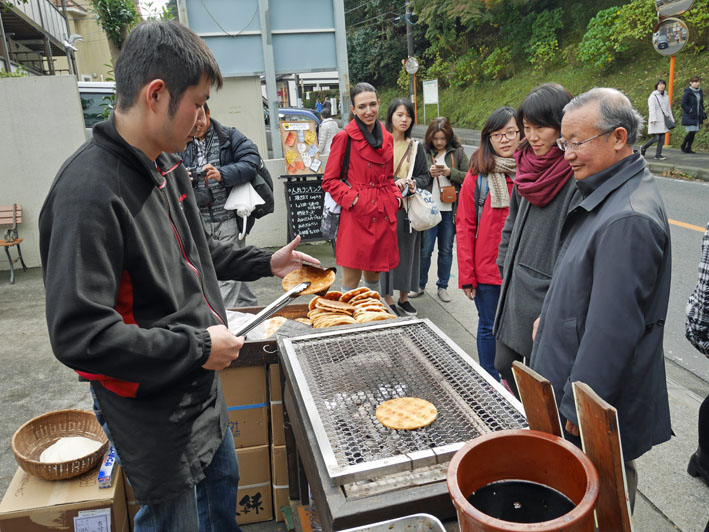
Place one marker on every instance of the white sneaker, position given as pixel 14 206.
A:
pixel 443 295
pixel 416 293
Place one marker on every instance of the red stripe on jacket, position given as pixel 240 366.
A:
pixel 124 306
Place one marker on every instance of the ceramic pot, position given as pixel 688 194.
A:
pixel 529 456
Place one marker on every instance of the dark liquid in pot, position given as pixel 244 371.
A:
pixel 521 501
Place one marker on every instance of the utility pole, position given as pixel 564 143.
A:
pixel 409 45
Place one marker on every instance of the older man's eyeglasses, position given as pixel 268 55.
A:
pixel 509 135
pixel 572 145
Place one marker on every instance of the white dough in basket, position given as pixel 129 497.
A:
pixel 68 449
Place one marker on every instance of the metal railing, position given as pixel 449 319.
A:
pixel 44 14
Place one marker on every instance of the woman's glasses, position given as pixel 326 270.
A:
pixel 509 135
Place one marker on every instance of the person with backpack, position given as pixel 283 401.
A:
pixel 447 166
pixel 218 159
pixel 482 210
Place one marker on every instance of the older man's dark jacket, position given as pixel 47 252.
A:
pixel 603 318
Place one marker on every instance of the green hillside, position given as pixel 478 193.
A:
pixel 469 107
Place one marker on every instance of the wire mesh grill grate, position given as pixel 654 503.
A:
pixel 348 375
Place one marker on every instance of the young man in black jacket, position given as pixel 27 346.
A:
pixel 132 298
pixel 219 158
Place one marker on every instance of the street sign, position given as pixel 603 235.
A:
pixel 430 91
pixel 672 8
pixel 670 36
pixel 411 65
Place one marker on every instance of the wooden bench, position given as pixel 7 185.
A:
pixel 12 215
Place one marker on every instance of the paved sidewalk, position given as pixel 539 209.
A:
pixel 33 382
pixel 696 164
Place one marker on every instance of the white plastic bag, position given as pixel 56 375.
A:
pixel 422 211
pixel 243 199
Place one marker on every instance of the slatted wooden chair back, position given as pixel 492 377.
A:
pixel 10 215
pixel 538 399
pixel 598 423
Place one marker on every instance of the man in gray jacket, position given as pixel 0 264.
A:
pixel 603 316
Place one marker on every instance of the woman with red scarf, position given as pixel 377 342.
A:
pixel 543 193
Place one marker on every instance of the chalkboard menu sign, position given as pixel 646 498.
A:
pixel 304 204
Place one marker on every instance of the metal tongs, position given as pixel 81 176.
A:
pixel 274 307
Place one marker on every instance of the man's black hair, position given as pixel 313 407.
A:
pixel 325 113
pixel 163 50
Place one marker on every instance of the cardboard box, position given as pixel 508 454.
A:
pixel 246 399
pixel 279 474
pixel 278 433
pixel 274 382
pixel 254 502
pixel 281 498
pixel 32 504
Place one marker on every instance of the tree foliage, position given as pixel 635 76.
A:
pixel 116 18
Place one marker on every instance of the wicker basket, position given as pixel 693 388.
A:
pixel 39 433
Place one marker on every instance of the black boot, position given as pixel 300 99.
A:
pixel 698 467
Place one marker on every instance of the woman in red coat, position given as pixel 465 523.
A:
pixel 366 237
pixel 482 210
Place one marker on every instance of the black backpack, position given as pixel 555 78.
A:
pixel 263 184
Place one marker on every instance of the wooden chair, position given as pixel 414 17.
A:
pixel 537 396
pixel 598 423
pixel 12 215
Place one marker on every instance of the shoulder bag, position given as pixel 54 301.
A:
pixel 331 211
pixel 448 192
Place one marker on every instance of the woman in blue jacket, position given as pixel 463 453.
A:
pixel 693 113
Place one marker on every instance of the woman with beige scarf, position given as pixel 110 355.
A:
pixel 482 210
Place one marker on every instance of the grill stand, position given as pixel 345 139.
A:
pixel 336 511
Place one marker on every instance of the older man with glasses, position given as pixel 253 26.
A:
pixel 603 316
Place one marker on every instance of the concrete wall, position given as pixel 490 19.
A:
pixel 42 126
pixel 272 230
pixel 239 104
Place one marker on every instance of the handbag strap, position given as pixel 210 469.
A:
pixel 345 169
pixel 407 156
pixel 660 105
pixel 480 198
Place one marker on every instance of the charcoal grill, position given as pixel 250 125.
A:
pixel 335 382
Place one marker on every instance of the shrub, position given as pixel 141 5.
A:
pixel 498 64
pixel 543 45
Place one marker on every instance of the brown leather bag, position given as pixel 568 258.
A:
pixel 448 192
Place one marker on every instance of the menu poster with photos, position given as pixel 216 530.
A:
pixel 300 148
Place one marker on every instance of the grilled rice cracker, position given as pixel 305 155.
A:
pixel 368 308
pixel 371 294
pixel 352 293
pixel 305 321
pixel 406 413
pixel 328 304
pixel 334 295
pixel 368 317
pixel 272 325
pixel 311 305
pixel 320 279
pixel 332 321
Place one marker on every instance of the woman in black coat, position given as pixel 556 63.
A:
pixel 693 113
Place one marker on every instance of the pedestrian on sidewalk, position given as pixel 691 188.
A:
pixel 219 158
pixel 410 172
pixel 697 327
pixel 447 165
pixel 602 321
pixel 366 237
pixel 543 193
pixel 693 112
pixel 658 105
pixel 328 130
pixel 482 210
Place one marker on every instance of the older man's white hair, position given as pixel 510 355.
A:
pixel 615 110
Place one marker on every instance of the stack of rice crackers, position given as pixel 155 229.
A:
pixel 360 305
